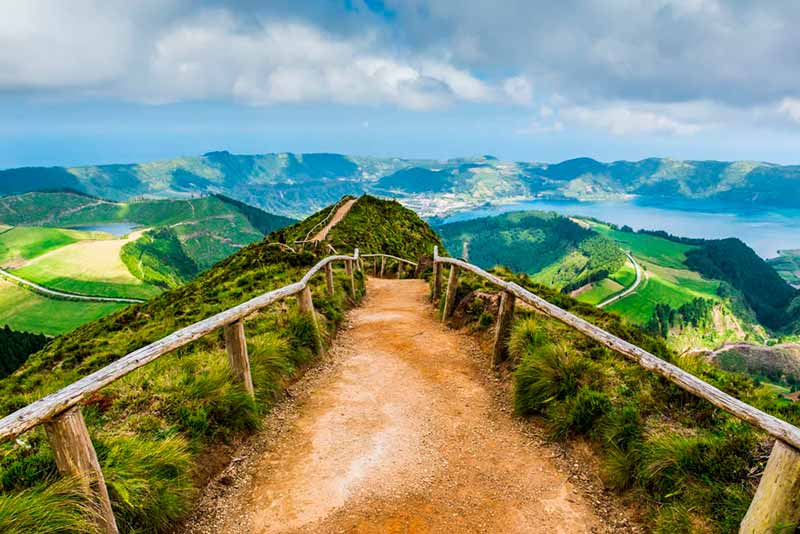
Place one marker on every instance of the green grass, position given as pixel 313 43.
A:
pixel 23 310
pixel 91 267
pixel 650 248
pixel 687 464
pixel 152 428
pixel 25 243
pixel 626 276
pixel 600 291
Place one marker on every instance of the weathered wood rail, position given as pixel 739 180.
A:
pixel 60 412
pixel 384 257
pixel 776 503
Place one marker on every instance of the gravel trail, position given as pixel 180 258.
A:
pixel 398 431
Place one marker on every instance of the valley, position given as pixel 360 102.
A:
pixel 72 244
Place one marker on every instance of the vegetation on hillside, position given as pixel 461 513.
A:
pixel 687 463
pixel 787 264
pixel 733 261
pixel 151 429
pixel 296 184
pixel 158 258
pixel 15 347
pixel 373 225
pixel 559 252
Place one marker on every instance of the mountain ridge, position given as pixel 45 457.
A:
pixel 296 184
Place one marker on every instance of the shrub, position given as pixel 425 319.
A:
pixel 58 508
pixel 553 372
pixel 149 481
pixel 579 413
pixel 527 336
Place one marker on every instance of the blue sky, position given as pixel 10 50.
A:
pixel 98 82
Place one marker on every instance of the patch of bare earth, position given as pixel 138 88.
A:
pixel 402 429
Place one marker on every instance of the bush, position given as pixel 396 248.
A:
pixel 59 508
pixel 578 414
pixel 553 372
pixel 148 481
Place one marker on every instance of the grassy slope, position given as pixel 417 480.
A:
pixel 787 264
pixel 23 310
pixel 91 267
pixel 372 225
pixel 150 429
pixel 687 464
pixel 25 243
pixel 558 251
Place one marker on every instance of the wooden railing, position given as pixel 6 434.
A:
pixel 60 412
pixel 776 503
pixel 384 257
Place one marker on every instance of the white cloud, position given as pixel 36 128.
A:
pixel 88 47
pixel 625 119
pixel 790 107
pixel 519 90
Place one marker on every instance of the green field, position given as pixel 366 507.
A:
pixel 674 287
pixel 625 276
pixel 23 310
pixel 84 265
pixel 600 291
pixel 22 243
pixel 648 247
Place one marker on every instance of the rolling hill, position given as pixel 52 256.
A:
pixel 298 184
pixel 60 240
pixel 185 402
pixel 557 251
pixel 694 292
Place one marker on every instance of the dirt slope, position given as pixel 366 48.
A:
pixel 398 433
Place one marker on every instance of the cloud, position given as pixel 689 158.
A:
pixel 790 107
pixel 216 54
pixel 622 119
pixel 518 90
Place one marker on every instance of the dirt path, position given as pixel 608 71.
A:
pixel 400 432
pixel 338 216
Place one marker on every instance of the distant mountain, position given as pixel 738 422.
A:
pixel 299 184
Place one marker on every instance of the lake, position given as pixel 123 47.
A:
pixel 116 229
pixel 765 231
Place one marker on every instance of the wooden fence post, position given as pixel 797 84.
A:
pixel 437 280
pixel 383 264
pixel 236 346
pixel 306 305
pixel 352 278
pixel 450 297
pixel 75 456
pixel 505 316
pixel 776 503
pixel 329 278
pixel 399 270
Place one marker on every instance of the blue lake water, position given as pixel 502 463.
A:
pixel 765 231
pixel 116 229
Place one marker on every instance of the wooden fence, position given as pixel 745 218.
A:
pixel 776 503
pixel 60 412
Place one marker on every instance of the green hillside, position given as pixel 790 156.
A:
pixel 556 250
pixel 687 465
pixel 787 264
pixel 153 428
pixel 187 237
pixel 373 225
pixel 298 184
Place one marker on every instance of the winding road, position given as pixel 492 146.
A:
pixel 631 289
pixel 36 288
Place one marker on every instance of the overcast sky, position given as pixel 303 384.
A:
pixel 85 81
